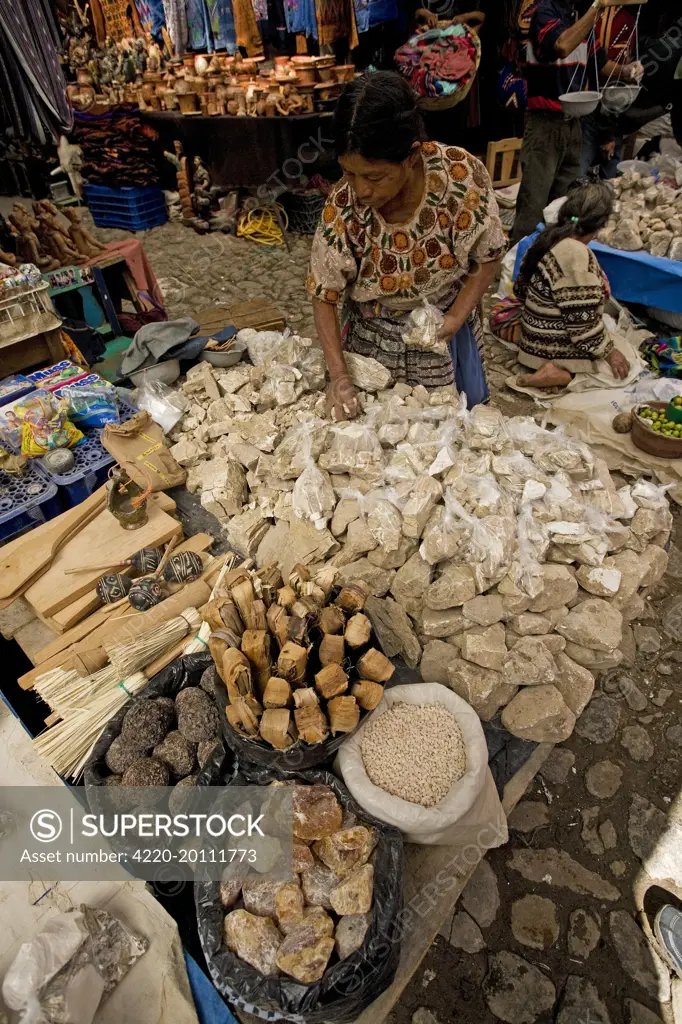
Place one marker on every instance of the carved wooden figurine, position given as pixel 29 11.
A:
pixel 28 247
pixel 53 235
pixel 81 238
pixel 179 161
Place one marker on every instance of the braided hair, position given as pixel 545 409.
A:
pixel 377 117
pixel 585 212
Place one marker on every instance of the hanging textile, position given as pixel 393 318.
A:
pixel 152 17
pixel 246 28
pixel 198 27
pixel 121 18
pixel 300 17
pixel 221 19
pixel 370 13
pixel 333 20
pixel 176 21
pixel 260 9
pixel 30 69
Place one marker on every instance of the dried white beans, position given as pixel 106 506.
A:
pixel 415 751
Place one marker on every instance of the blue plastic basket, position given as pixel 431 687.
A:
pixel 26 501
pixel 134 209
pixel 90 469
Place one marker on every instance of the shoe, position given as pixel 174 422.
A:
pixel 668 931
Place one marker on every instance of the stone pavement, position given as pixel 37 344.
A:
pixel 548 930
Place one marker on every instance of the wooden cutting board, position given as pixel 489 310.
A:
pixel 101 541
pixel 77 610
pixel 24 558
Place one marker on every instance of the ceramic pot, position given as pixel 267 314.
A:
pixel 326 74
pixel 201 64
pixel 323 62
pixel 301 60
pixel 147 91
pixel 306 76
pixel 281 62
pixel 273 87
pixel 345 72
pixel 181 87
pixel 156 102
pixel 188 102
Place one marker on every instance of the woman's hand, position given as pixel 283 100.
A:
pixel 618 363
pixel 342 400
pixel 451 324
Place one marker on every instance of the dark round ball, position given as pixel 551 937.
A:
pixel 146 592
pixel 190 695
pixel 113 587
pixel 146 560
pixel 207 681
pixel 177 753
pixel 145 724
pixel 205 750
pixel 122 753
pixel 183 567
pixel 180 798
pixel 167 705
pixel 146 772
pixel 198 718
pixel 113 780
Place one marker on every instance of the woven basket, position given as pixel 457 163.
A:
pixel 304 210
pixel 647 440
pixel 446 102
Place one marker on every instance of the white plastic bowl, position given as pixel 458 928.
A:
pixel 579 104
pixel 166 372
pixel 616 99
pixel 229 358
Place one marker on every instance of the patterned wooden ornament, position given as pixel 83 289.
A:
pixel 183 567
pixel 146 560
pixel 113 587
pixel 146 592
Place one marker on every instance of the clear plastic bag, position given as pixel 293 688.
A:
pixel 354 449
pixel 65 972
pixel 487 429
pixel 91 406
pixel 313 497
pixel 446 535
pixel 560 452
pixel 165 406
pixel 422 329
pixel 533 544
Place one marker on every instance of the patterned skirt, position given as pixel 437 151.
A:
pixel 379 335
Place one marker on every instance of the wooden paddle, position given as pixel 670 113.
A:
pixel 28 559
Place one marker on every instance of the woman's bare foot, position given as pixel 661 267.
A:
pixel 548 376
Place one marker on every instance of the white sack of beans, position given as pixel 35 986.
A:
pixel 430 748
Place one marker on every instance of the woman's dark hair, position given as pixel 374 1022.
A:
pixel 377 117
pixel 586 211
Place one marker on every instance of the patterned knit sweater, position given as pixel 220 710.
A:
pixel 562 314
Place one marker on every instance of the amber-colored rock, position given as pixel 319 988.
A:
pixel 289 906
pixel 259 897
pixel 302 858
pixel 317 884
pixel 344 850
pixel 317 812
pixel 254 939
pixel 303 955
pixel 230 890
pixel 354 894
pixel 350 933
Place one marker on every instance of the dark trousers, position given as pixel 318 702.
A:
pixel 550 161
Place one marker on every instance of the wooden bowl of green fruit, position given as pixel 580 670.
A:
pixel 655 432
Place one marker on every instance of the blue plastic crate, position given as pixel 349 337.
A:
pixel 134 209
pixel 26 501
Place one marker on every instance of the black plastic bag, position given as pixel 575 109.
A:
pixel 348 986
pixel 297 757
pixel 181 673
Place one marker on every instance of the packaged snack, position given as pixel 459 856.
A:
pixel 93 406
pixel 53 377
pixel 45 426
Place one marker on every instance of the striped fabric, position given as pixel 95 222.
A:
pixel 562 317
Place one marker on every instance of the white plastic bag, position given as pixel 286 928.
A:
pixel 165 406
pixel 471 813
pixel 421 333
pixel 313 496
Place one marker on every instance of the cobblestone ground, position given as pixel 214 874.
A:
pixel 548 930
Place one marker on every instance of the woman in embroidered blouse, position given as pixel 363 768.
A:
pixel 562 292
pixel 409 221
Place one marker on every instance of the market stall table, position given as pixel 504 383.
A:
pixel 640 277
pixel 247 151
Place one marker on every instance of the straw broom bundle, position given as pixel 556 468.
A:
pixel 68 744
pixel 130 655
pixel 66 690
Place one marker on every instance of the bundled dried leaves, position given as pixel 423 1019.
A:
pixel 296 659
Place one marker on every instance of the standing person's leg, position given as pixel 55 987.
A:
pixel 570 151
pixel 610 168
pixel 539 162
pixel 590 152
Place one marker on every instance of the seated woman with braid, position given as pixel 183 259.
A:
pixel 562 291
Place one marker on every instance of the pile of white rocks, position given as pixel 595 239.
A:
pixel 647 215
pixel 500 555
